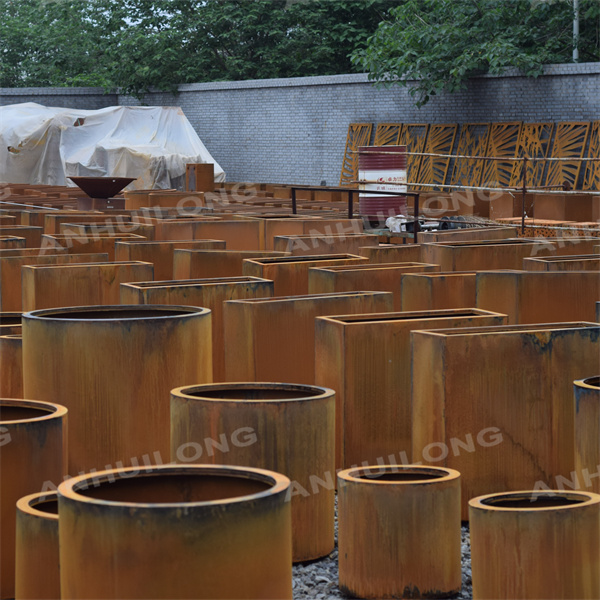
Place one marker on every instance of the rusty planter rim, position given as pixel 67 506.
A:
pixel 72 488
pixel 525 500
pixel 310 296
pixel 589 383
pixel 301 259
pixel 195 282
pixel 437 313
pixel 116 312
pixel 34 504
pixel 397 475
pixel 217 392
pixel 46 410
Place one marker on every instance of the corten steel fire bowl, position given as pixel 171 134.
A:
pixel 102 187
pixel 172 531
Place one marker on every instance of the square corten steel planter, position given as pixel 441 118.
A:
pixel 303 226
pixel 11 272
pixel 345 278
pixel 318 243
pixel 32 235
pixel 584 262
pixel 110 229
pixel 469 234
pixel 11 241
pixel 366 358
pixel 202 264
pixel 238 235
pixel 539 297
pixel 479 255
pixel 392 253
pixel 84 284
pixel 11 365
pixel 88 243
pixel 208 293
pixel 160 254
pixel 273 339
pixel 566 245
pixel 434 291
pixel 290 273
pixel 52 222
pixel 496 403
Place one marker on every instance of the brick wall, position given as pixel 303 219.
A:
pixel 294 130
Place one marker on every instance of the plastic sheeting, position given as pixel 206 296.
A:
pixel 40 144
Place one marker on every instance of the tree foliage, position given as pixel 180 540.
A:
pixel 139 44
pixel 439 44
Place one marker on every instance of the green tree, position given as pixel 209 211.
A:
pixel 136 45
pixel 439 44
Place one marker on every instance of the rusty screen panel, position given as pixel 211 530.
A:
pixel 503 142
pixel 569 142
pixel 414 137
pixel 359 134
pixel 433 169
pixel 591 180
pixel 472 141
pixel 387 134
pixel 533 143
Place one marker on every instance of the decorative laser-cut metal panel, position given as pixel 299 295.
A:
pixel 473 141
pixel 503 142
pixel 359 134
pixel 387 134
pixel 433 169
pixel 591 181
pixel 569 142
pixel 533 143
pixel 414 137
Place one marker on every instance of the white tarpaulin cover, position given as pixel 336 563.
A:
pixel 40 144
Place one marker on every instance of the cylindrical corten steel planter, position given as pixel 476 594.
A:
pixel 399 531
pixel 113 367
pixel 37 575
pixel 33 452
pixel 11 366
pixel 286 427
pixel 193 531
pixel 535 544
pixel 587 433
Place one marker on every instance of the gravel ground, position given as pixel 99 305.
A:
pixel 319 579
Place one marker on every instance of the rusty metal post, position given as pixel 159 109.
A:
pixel 523 194
pixel 350 204
pixel 416 222
pixel 294 208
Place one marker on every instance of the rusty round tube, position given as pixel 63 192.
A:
pixel 192 531
pixel 113 367
pixel 37 573
pixel 286 427
pixel 535 544
pixel 399 531
pixel 33 452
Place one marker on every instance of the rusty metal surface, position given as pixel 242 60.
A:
pixel 591 180
pixel 495 404
pixel 36 547
pixel 587 430
pixel 279 418
pixel 440 140
pixel 113 367
pixel 569 142
pixel 359 134
pixel 387 134
pixel 534 142
pixel 183 531
pixel 473 141
pixel 557 558
pixel 102 187
pixel 36 453
pixel 369 356
pixel 399 532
